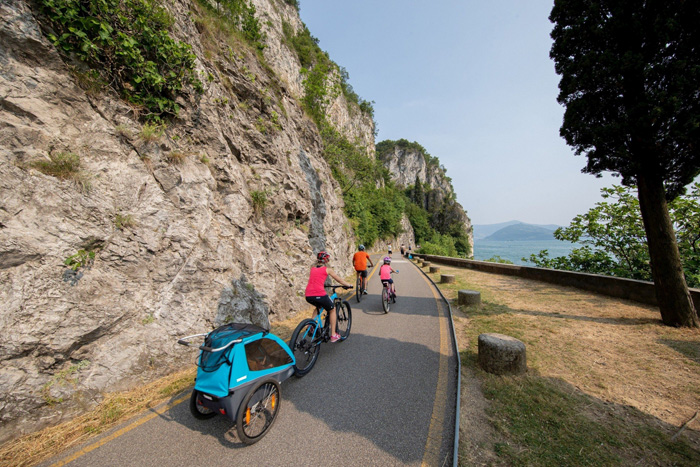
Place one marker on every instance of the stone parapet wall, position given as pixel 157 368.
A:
pixel 630 289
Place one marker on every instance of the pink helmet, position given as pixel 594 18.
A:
pixel 387 260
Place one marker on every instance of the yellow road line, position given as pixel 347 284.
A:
pixel 433 444
pixel 120 432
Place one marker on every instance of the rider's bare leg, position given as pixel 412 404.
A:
pixel 332 318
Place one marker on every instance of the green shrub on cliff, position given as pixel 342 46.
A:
pixel 318 68
pixel 128 41
pixel 240 15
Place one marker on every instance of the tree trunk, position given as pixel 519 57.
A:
pixel 672 293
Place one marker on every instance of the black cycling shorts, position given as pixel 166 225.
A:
pixel 362 273
pixel 324 302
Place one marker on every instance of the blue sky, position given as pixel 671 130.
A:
pixel 472 82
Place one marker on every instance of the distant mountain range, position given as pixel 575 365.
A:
pixel 514 231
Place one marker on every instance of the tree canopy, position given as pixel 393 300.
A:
pixel 630 72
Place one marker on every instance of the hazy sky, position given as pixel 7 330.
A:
pixel 472 82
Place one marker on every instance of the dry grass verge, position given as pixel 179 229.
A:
pixel 607 383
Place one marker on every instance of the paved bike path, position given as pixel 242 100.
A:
pixel 385 396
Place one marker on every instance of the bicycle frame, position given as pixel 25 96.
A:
pixel 321 319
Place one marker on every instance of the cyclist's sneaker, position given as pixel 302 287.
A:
pixel 335 337
pixel 364 292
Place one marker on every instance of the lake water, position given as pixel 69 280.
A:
pixel 516 250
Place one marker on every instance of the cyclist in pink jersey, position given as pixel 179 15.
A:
pixel 316 291
pixel 385 271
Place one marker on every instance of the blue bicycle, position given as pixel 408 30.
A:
pixel 310 333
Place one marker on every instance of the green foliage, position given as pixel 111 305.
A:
pixel 685 212
pixel 420 221
pixel 372 203
pixel 128 42
pixel 433 216
pixel 434 222
pixel 151 132
pixel 294 3
pixel 366 107
pixel 60 379
pixel 259 198
pixel 83 258
pixel 614 242
pixel 498 259
pixel 63 165
pixel 66 166
pixel 374 212
pixel 241 14
pixel 439 244
pixel 417 193
pixel 305 45
pixel 124 221
pixel 317 68
pixel 317 92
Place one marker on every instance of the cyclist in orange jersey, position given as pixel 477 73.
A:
pixel 359 261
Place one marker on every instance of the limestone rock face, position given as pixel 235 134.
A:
pixel 156 237
pixel 405 164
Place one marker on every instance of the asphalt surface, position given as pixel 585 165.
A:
pixel 385 396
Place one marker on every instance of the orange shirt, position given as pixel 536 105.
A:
pixel 359 260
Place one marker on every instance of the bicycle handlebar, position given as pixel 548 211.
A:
pixel 346 287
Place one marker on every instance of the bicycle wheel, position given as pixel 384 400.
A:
pixel 199 411
pixel 305 345
pixel 258 411
pixel 343 319
pixel 386 299
pixel 358 289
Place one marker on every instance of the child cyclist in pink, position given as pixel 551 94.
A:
pixel 316 292
pixel 385 272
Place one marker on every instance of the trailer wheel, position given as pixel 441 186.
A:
pixel 258 411
pixel 197 407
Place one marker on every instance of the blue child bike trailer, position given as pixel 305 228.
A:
pixel 239 371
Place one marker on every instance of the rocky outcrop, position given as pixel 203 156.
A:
pixel 405 164
pixel 408 162
pixel 158 231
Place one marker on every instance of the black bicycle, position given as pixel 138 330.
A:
pixel 312 332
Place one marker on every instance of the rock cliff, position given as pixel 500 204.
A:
pixel 408 162
pixel 155 232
